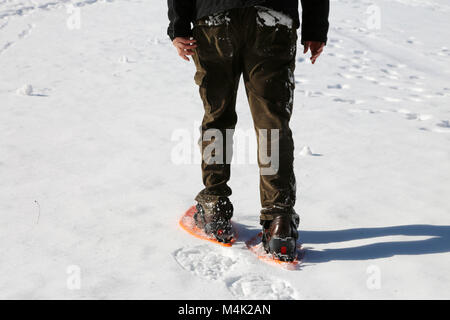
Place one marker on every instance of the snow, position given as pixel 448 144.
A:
pixel 90 195
pixel 271 18
pixel 217 19
pixel 26 90
pixel 306 151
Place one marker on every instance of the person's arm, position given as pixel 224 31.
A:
pixel 315 26
pixel 181 14
pixel 315 20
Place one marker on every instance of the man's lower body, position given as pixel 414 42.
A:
pixel 260 45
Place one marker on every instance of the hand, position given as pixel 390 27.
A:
pixel 316 48
pixel 184 47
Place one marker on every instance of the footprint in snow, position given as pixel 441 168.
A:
pixel 338 86
pixel 418 116
pixel 360 52
pixel 444 52
pixel 348 101
pixel 257 287
pixel 443 127
pixel 204 261
pixel 412 40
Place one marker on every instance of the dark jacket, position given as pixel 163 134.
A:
pixel 314 17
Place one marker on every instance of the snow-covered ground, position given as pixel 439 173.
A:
pixel 89 186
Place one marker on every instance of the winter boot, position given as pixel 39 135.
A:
pixel 213 216
pixel 280 236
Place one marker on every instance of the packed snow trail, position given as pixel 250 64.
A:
pixel 91 194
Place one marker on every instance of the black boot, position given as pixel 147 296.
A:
pixel 213 216
pixel 280 236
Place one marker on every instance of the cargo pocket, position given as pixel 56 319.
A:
pixel 214 37
pixel 200 73
pixel 214 20
pixel 275 34
pixel 199 78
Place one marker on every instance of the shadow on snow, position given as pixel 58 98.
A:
pixel 439 242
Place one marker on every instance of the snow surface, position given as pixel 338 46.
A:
pixel 89 188
pixel 272 18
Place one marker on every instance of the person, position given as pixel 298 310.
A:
pixel 258 40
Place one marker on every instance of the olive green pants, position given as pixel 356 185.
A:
pixel 260 46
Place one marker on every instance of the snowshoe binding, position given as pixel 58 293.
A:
pixel 279 237
pixel 213 216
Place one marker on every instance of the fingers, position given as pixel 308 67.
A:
pixel 306 47
pixel 188 52
pixel 185 47
pixel 316 50
pixel 316 54
pixel 184 43
pixel 314 57
pixel 184 53
pixel 185 40
pixel 319 48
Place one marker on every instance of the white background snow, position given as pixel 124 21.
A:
pixel 88 184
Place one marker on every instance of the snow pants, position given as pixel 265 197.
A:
pixel 259 44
